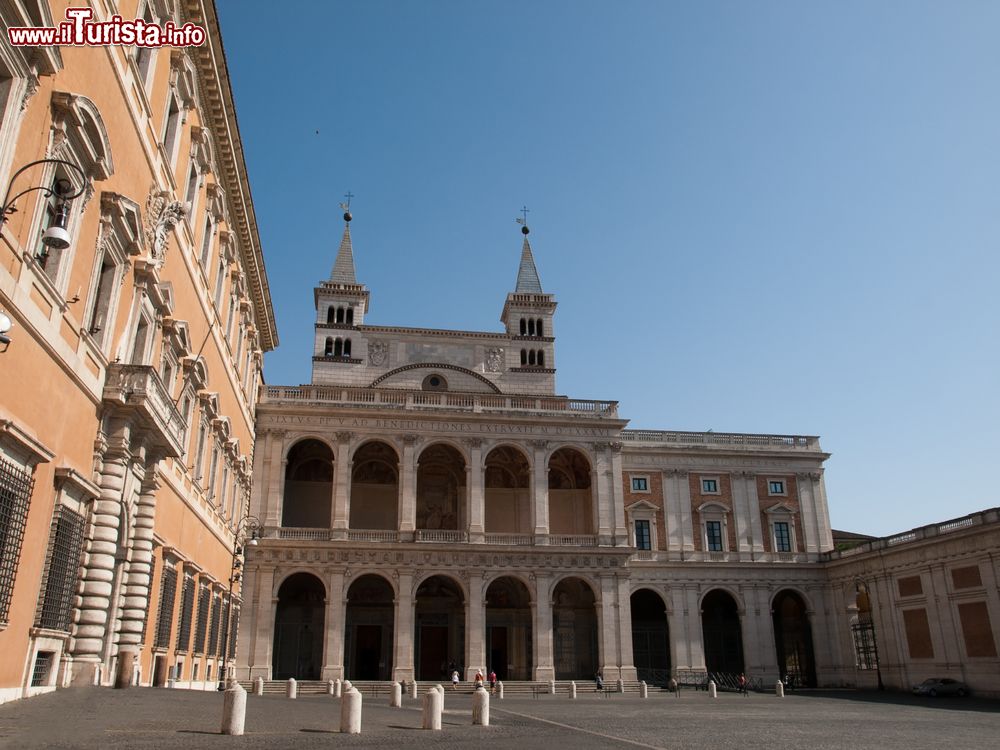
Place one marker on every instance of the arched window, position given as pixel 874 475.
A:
pixel 340 315
pixel 328 349
pixel 531 358
pixel 338 348
pixel 538 327
pixel 330 313
pixel 347 347
pixel 531 327
pixel 350 316
pixel 524 326
pixel 524 357
pixel 541 358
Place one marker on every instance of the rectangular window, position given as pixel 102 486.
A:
pixel 43 665
pixel 976 630
pixel 172 127
pixel 918 634
pixel 201 630
pixel 640 484
pixel 776 487
pixel 97 321
pixel 713 534
pixel 141 343
pixel 184 616
pixel 233 629
pixel 212 471
pixel 15 497
pixel 213 633
pixel 710 486
pixel 191 192
pixel 143 56
pixel 168 590
pixel 62 568
pixel 206 245
pixel 642 539
pixel 220 284
pixel 966 578
pixel 910 586
pixel 782 537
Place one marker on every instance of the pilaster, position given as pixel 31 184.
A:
pixel 628 671
pixel 542 630
pixel 618 497
pixel 408 493
pixel 540 503
pixel 807 509
pixel 333 648
pixel 340 520
pixel 475 627
pixel 477 496
pixel 261 625
pixel 274 497
pixel 609 641
pixel 403 662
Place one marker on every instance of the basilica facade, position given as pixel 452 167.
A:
pixel 428 503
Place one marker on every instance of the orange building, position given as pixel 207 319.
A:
pixel 134 355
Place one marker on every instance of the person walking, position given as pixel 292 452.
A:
pixel 454 680
pixel 479 679
pixel 493 682
pixel 743 685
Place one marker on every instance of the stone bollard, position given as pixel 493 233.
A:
pixel 337 688
pixel 234 709
pixel 481 707
pixel 413 689
pixel 331 687
pixel 350 712
pixel 552 687
pixel 500 690
pixel 440 689
pixel 572 691
pixel 292 691
pixel 620 685
pixel 345 686
pixel 712 692
pixel 433 705
pixel 396 697
pixel 258 685
pixel 643 690
pixel 779 689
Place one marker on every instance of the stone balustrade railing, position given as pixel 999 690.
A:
pixel 446 536
pixel 425 400
pixel 981 518
pixel 729 439
pixel 139 390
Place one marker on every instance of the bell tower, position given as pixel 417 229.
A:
pixel 341 303
pixel 528 314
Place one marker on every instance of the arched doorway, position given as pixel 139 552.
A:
pixel 793 639
pixel 507 495
pixel 574 630
pixel 308 494
pixel 299 628
pixel 375 487
pixel 368 626
pixel 508 629
pixel 721 633
pixel 650 637
pixel 571 507
pixel 439 628
pixel 440 489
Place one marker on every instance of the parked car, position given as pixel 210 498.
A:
pixel 936 686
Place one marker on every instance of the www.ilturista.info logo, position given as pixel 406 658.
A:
pixel 80 31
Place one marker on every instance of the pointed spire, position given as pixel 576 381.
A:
pixel 343 268
pixel 527 275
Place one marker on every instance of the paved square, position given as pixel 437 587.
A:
pixel 150 718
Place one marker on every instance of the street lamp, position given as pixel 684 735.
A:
pixel 57 235
pixel 248 531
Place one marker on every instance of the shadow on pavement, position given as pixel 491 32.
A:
pixel 895 698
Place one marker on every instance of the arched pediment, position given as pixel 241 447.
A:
pixel 473 381
pixel 81 124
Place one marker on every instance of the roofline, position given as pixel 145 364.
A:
pixel 216 88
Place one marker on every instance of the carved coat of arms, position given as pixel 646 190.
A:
pixel 494 359
pixel 378 352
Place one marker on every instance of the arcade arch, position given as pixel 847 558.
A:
pixel 574 630
pixel 368 629
pixel 507 493
pixel 722 633
pixel 439 628
pixel 571 505
pixel 308 492
pixel 793 638
pixel 299 628
pixel 508 629
pixel 375 487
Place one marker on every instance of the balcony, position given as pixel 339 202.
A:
pixel 486 403
pixel 438 536
pixel 137 392
pixel 723 439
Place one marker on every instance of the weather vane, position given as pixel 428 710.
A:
pixel 524 221
pixel 347 206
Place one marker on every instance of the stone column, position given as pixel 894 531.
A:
pixel 682 488
pixel 477 495
pixel 138 582
pixel 759 655
pixel 333 648
pixel 261 643
pixel 542 629
pixel 602 495
pixel 692 616
pixel 403 662
pixel 825 540
pixel 475 627
pixel 618 497
pixel 607 629
pixel 680 652
pixel 408 490
pixel 540 501
pixel 807 511
pixel 749 480
pixel 342 467
pixel 274 499
pixel 628 671
pixel 672 514
pixel 99 570
pixel 741 516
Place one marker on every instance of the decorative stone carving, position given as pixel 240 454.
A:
pixel 494 359
pixel 378 352
pixel 29 92
pixel 410 439
pixel 539 444
pixel 474 443
pixel 162 215
pixel 344 437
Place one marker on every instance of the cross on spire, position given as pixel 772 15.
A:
pixel 524 212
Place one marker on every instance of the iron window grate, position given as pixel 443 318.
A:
pixel 43 663
pixel 204 603
pixel 168 590
pixel 213 635
pixel 62 569
pixel 184 617
pixel 233 628
pixel 15 496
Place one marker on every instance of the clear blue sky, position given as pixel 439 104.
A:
pixel 756 216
